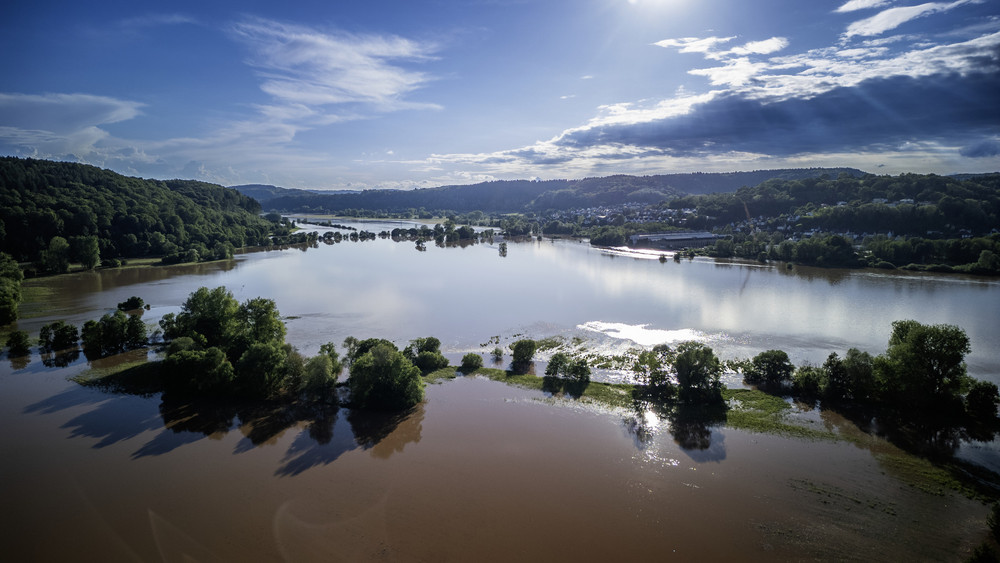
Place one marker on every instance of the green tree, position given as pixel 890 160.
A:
pixel 471 362
pixel 860 369
pixel 58 336
pixel 330 351
pixel 524 351
pixel 85 250
pixel 55 259
pixel 207 312
pixel 557 364
pixel 136 335
pixel 383 378
pixel 770 368
pixel 18 344
pixel 652 368
pixel 255 321
pixel 201 372
pixel 318 378
pixel 810 381
pixel 425 353
pixel 10 299
pixel 698 371
pixel 261 370
pixel 982 400
pixel 10 288
pixel 131 304
pixel 924 365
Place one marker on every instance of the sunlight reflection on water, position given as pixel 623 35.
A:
pixel 642 334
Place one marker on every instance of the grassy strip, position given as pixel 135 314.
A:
pixel 141 377
pixel 442 375
pixel 756 411
pixel 614 395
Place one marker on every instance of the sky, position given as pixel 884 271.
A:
pixel 418 93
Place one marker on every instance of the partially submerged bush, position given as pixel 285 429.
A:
pixel 471 362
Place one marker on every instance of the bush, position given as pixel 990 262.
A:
pixel 430 361
pixel 18 344
pixel 131 304
pixel 471 362
pixel 497 354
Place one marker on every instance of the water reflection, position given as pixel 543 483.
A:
pixel 19 362
pixel 694 428
pixel 60 359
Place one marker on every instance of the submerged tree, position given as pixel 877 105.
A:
pixel 770 368
pixel 523 350
pixel 924 365
pixel 383 378
pixel 698 371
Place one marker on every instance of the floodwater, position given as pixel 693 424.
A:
pixel 480 471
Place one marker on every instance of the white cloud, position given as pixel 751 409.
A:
pixel 736 72
pixel 764 47
pixel 706 45
pixel 301 65
pixel 151 20
pixel 854 5
pixel 60 113
pixel 894 17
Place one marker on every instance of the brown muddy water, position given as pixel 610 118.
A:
pixel 481 471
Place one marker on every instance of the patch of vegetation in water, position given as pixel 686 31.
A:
pixel 140 377
pixel 441 375
pixel 756 411
pixel 549 343
pixel 615 395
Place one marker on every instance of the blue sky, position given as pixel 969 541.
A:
pixel 400 94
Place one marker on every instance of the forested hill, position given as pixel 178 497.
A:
pixel 88 213
pixel 523 195
pixel 266 192
pixel 908 204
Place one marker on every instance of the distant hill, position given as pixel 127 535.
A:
pixel 265 192
pixel 96 210
pixel 523 195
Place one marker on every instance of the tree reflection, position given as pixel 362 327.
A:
pixel 690 426
pixel 19 362
pixel 60 359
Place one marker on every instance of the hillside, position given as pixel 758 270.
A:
pixel 524 195
pixel 266 192
pixel 54 212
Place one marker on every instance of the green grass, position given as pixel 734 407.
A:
pixel 441 375
pixel 616 395
pixel 756 411
pixel 141 377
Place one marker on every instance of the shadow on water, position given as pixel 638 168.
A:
pixel 559 386
pixel 122 410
